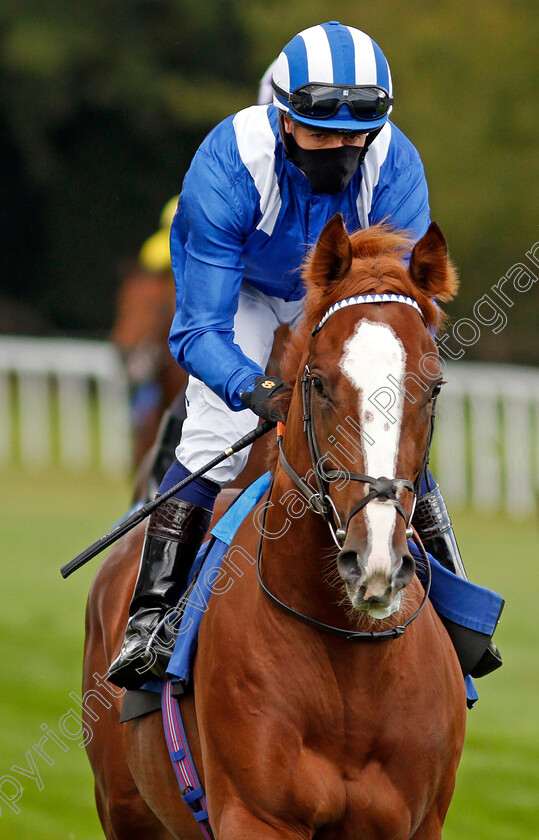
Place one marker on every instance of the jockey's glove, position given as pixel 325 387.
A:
pixel 264 398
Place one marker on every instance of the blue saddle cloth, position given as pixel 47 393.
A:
pixel 454 598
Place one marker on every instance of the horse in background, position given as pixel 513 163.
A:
pixel 301 726
pixel 144 312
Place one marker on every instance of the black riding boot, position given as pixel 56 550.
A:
pixel 434 526
pixel 174 534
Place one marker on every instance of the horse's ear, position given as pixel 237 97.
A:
pixel 431 268
pixel 332 256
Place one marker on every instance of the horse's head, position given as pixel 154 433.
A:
pixel 365 390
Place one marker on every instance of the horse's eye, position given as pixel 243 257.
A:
pixel 436 390
pixel 318 386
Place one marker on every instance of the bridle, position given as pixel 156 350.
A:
pixel 383 489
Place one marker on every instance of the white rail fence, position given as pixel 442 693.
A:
pixel 63 401
pixel 486 443
pixel 66 401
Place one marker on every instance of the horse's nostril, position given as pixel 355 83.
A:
pixel 405 572
pixel 348 564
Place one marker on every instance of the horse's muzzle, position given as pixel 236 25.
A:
pixel 378 592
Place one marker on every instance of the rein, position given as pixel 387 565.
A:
pixel 382 488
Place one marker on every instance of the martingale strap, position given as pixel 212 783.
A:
pixel 191 790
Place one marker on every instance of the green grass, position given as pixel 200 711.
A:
pixel 48 518
pixel 497 792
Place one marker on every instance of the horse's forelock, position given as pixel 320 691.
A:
pixel 379 240
pixel 378 266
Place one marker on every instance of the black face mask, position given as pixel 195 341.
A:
pixel 328 170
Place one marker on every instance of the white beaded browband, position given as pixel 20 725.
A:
pixel 386 298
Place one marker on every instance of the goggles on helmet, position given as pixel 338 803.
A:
pixel 320 101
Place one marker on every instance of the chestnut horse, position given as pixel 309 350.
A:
pixel 314 714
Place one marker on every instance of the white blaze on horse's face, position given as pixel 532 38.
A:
pixel 370 355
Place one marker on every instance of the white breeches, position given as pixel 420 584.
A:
pixel 210 426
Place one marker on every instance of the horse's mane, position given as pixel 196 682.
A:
pixel 378 266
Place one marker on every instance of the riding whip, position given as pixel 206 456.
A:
pixel 139 515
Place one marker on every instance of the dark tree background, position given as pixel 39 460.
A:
pixel 102 105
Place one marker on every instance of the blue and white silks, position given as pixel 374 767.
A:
pixel 246 212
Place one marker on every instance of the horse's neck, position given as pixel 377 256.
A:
pixel 299 556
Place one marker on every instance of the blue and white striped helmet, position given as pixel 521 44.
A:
pixel 331 53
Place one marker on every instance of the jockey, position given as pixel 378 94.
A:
pixel 259 191
pixel 154 255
